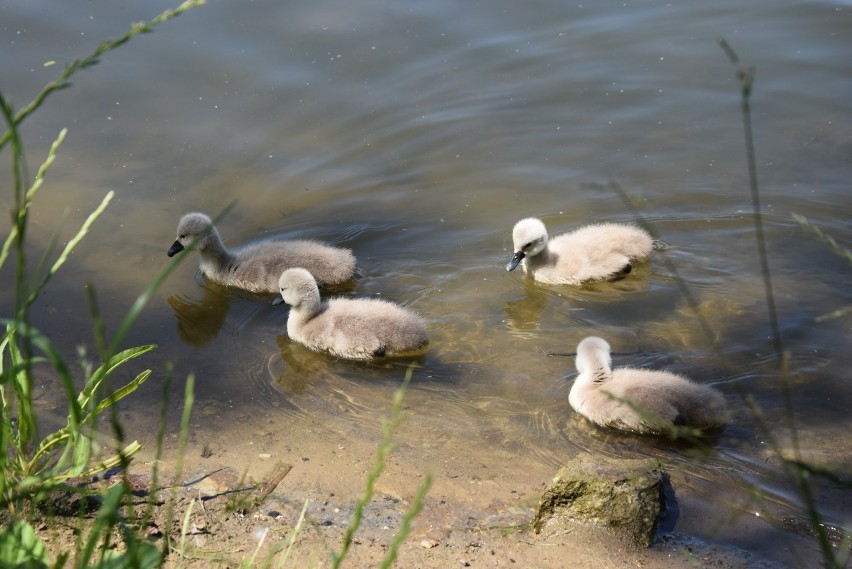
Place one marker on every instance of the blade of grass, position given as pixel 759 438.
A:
pixel 62 81
pixel 746 77
pixel 69 247
pixel 184 529
pixel 294 533
pixel 51 156
pixel 386 445
pixel 104 522
pixel 405 527
pixel 189 398
pixel 98 328
pixel 106 369
pixel 836 248
pixel 711 336
pixel 118 394
pixel 801 477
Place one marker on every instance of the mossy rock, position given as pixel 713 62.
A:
pixel 625 495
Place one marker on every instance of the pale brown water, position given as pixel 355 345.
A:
pixel 417 135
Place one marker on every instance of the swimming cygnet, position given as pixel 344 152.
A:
pixel 356 329
pixel 643 401
pixel 593 252
pixel 256 267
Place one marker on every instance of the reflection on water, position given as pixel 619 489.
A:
pixel 199 320
pixel 524 314
pixel 417 138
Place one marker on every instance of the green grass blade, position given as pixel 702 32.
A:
pixel 47 447
pixel 78 64
pixel 294 533
pixel 680 282
pixel 44 344
pixel 106 369
pixel 99 329
pixel 62 473
pixel 189 398
pixel 102 527
pixel 21 547
pixel 121 457
pixel 81 452
pixel 69 247
pixel 385 447
pixel 17 157
pixel 117 395
pixel 746 77
pixel 835 247
pixel 25 437
pixel 405 527
pixel 7 245
pixel 28 199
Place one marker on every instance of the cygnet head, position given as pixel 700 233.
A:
pixel 591 353
pixel 192 226
pixel 530 238
pixel 298 285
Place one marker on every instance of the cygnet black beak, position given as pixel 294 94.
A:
pixel 516 258
pixel 175 249
pixel 277 301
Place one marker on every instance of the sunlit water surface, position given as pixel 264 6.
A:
pixel 417 135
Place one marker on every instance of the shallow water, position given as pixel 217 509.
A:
pixel 417 136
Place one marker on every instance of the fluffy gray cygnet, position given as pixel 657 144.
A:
pixel 600 394
pixel 258 266
pixel 593 252
pixel 356 329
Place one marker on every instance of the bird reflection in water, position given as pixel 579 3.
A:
pixel 523 315
pixel 199 320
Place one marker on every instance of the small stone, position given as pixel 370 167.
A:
pixel 428 543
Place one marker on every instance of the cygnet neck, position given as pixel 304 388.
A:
pixel 309 304
pixel 212 247
pixel 595 365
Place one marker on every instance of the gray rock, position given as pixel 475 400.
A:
pixel 625 495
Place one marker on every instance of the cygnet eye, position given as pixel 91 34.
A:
pixel 183 236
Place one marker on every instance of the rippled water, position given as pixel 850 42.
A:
pixel 417 134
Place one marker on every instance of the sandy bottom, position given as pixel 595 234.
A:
pixel 475 514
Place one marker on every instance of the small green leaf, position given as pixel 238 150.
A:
pixel 49 63
pixel 21 547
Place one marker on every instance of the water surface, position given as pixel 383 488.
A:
pixel 417 135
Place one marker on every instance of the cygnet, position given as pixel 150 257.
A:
pixel 638 400
pixel 593 252
pixel 258 266
pixel 356 329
